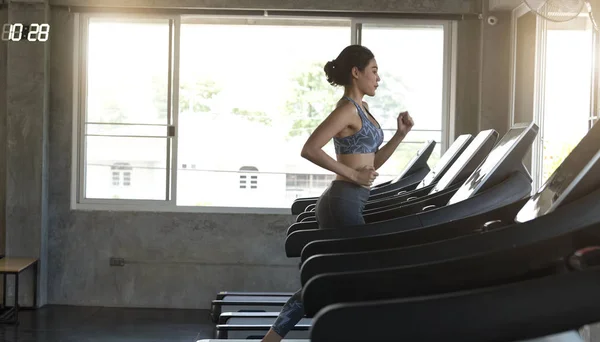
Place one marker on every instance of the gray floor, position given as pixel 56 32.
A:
pixel 73 323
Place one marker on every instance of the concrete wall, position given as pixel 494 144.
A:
pixel 25 144
pixel 3 19
pixel 483 74
pixel 494 109
pixel 467 77
pixel 382 6
pixel 173 259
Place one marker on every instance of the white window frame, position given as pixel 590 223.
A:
pixel 538 91
pixel 78 202
pixel 78 161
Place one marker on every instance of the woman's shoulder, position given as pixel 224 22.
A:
pixel 345 106
pixel 345 110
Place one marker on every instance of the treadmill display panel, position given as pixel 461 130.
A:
pixel 413 161
pixel 462 161
pixel 491 163
pixel 575 177
pixel 442 164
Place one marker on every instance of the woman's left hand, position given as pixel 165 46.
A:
pixel 405 123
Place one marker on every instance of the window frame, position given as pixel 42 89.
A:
pixel 81 23
pixel 80 50
pixel 538 88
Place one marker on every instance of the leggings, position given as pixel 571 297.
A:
pixel 341 205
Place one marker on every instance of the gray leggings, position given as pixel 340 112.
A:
pixel 341 205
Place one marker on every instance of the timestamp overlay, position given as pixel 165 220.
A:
pixel 25 32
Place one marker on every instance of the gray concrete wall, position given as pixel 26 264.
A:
pixel 26 147
pixel 419 6
pixel 483 74
pixel 3 19
pixel 495 73
pixel 467 77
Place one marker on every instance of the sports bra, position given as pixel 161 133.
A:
pixel 367 140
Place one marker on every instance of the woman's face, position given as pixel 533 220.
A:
pixel 368 79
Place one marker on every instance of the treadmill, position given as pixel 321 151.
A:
pixel 448 158
pixel 506 181
pixel 500 180
pixel 560 222
pixel 555 232
pixel 547 257
pixel 464 165
pixel 413 173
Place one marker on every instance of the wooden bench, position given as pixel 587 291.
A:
pixel 15 266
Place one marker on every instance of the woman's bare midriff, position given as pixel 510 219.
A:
pixel 355 161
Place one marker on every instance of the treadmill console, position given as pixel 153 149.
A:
pixel 576 176
pixel 499 156
pixel 418 161
pixel 458 166
pixel 442 165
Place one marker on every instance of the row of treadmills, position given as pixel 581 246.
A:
pixel 462 252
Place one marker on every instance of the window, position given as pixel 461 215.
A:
pixel 125 122
pixel 211 113
pixel 568 82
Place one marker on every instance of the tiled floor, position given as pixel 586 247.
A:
pixel 95 324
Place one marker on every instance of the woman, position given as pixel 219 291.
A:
pixel 357 137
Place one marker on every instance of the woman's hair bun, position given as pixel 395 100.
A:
pixel 339 70
pixel 332 72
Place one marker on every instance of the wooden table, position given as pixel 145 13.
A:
pixel 16 266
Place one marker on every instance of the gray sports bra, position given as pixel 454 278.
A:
pixel 367 140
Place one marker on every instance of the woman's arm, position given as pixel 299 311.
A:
pixel 313 148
